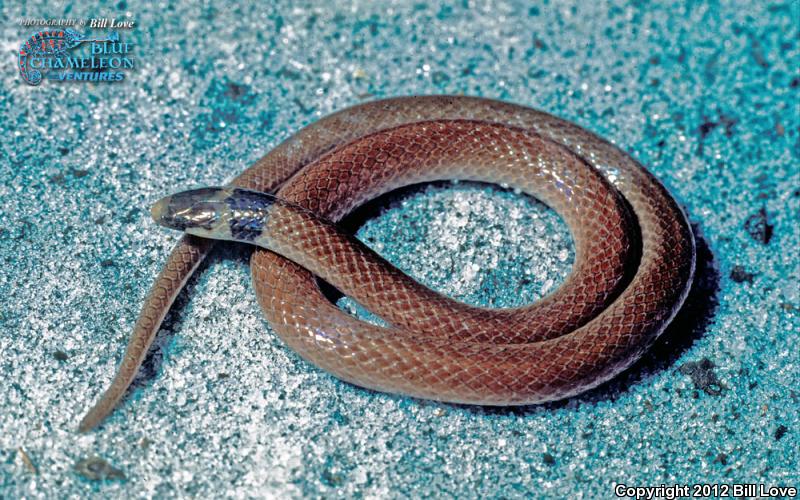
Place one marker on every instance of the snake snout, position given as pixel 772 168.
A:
pixel 198 208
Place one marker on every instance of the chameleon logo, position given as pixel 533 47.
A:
pixel 49 50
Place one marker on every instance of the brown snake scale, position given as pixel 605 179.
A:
pixel 633 265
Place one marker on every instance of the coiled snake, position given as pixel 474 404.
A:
pixel 633 266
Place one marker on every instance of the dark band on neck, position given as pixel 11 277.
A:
pixel 249 211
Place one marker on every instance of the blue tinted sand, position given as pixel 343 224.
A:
pixel 705 95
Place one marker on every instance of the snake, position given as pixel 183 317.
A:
pixel 633 267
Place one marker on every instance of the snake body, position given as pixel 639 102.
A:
pixel 634 260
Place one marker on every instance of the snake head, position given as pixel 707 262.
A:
pixel 217 213
pixel 197 209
